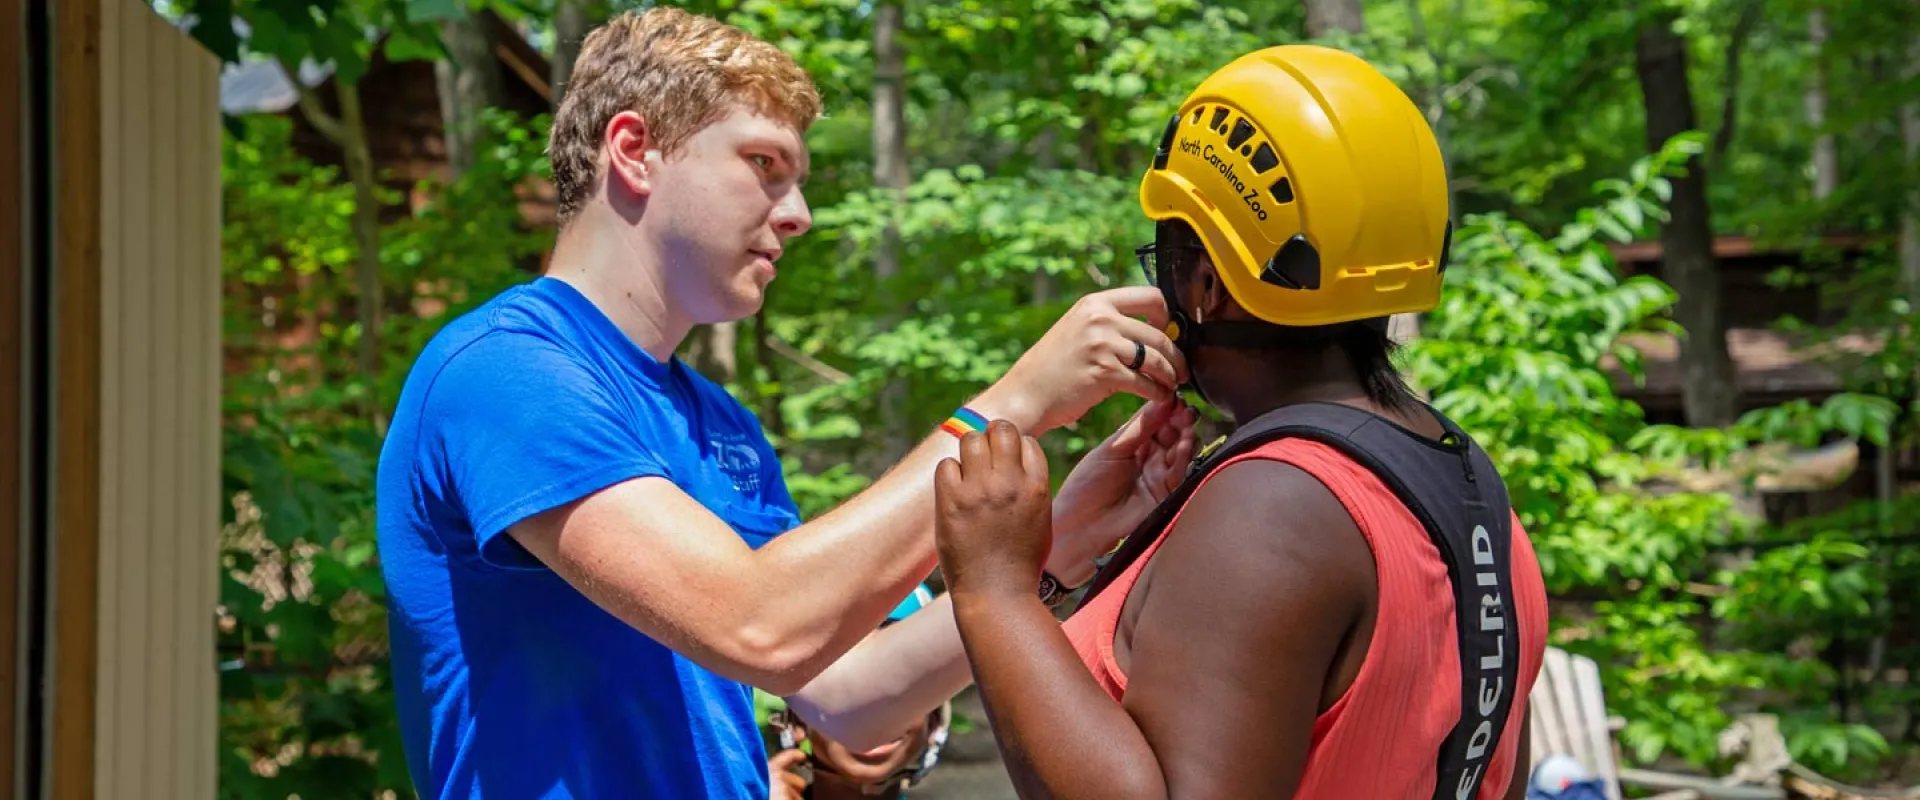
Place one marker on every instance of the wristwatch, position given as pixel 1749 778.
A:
pixel 1052 591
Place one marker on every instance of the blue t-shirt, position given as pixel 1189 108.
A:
pixel 510 683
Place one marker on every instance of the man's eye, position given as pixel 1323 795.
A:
pixel 762 162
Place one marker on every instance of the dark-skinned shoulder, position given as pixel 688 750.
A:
pixel 1241 627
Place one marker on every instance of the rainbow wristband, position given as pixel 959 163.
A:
pixel 964 421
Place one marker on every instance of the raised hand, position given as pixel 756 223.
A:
pixel 1117 484
pixel 1087 356
pixel 993 514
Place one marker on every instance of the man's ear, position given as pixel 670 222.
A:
pixel 631 152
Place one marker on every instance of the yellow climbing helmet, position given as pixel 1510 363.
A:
pixel 1315 184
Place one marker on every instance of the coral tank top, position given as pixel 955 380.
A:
pixel 1381 739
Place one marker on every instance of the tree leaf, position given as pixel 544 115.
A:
pixel 433 10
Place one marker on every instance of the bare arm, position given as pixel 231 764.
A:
pixel 1217 680
pixel 891 678
pixel 775 617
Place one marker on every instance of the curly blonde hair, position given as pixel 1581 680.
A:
pixel 681 72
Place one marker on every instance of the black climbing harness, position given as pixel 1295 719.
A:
pixel 1452 488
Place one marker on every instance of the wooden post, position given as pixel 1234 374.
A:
pixel 74 543
pixel 13 253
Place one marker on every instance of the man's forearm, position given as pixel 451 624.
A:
pixel 829 583
pixel 889 681
pixel 895 676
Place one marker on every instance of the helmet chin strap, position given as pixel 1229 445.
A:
pixel 1190 334
pixel 1242 334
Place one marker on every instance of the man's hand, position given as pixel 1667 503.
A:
pixel 1087 356
pixel 992 514
pixel 786 784
pixel 1117 484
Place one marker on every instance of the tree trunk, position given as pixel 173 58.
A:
pixel 1404 328
pixel 366 235
pixel 468 81
pixel 1327 16
pixel 1885 476
pixel 1436 101
pixel 890 172
pixel 572 20
pixel 1046 155
pixel 1730 98
pixel 1910 217
pixel 763 357
pixel 1708 390
pixel 711 349
pixel 349 132
pixel 1885 485
pixel 1826 155
pixel 1092 133
pixel 1046 160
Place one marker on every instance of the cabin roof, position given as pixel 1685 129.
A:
pixel 1767 363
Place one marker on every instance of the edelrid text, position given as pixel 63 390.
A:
pixel 1492 685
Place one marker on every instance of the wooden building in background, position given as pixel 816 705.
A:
pixel 1773 367
pixel 406 138
pixel 404 115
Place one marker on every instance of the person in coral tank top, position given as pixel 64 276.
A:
pixel 1338 602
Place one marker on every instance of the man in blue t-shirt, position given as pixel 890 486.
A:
pixel 589 550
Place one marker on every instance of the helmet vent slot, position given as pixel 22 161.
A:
pixel 1264 159
pixel 1282 190
pixel 1219 123
pixel 1242 131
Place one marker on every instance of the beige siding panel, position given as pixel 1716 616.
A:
pixel 194 652
pixel 210 383
pixel 135 275
pixel 204 721
pixel 158 698
pixel 206 516
pixel 178 386
pixel 182 434
pixel 214 387
pixel 200 419
pixel 163 599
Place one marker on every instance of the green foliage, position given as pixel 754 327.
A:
pixel 306 700
pixel 343 34
pixel 1029 125
pixel 1514 355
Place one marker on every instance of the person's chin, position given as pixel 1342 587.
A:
pixel 868 773
pixel 749 305
pixel 732 303
pixel 749 295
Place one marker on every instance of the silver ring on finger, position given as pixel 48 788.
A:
pixel 1139 356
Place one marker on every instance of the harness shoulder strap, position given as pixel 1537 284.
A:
pixel 1452 488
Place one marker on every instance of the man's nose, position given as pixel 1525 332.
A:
pixel 791 217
